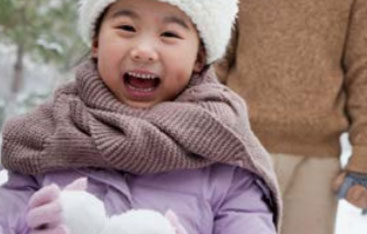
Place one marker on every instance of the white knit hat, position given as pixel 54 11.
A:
pixel 212 18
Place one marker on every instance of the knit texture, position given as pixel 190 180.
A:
pixel 301 66
pixel 86 126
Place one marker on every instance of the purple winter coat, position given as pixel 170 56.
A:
pixel 219 199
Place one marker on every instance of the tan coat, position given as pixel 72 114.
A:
pixel 301 66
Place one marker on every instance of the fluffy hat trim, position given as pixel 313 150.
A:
pixel 213 19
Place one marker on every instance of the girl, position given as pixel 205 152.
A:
pixel 147 123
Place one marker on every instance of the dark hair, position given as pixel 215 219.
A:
pixel 98 24
pixel 96 30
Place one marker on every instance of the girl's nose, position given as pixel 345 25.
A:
pixel 144 53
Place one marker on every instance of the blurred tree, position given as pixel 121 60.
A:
pixel 42 29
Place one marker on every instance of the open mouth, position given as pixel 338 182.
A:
pixel 141 82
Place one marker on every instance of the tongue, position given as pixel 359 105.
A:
pixel 141 83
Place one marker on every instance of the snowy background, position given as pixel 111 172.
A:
pixel 58 37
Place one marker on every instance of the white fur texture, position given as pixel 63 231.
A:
pixel 213 19
pixel 83 213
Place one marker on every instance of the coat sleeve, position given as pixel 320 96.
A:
pixel 355 67
pixel 14 196
pixel 244 209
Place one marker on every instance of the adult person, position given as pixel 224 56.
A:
pixel 302 68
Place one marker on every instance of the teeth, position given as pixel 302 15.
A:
pixel 140 89
pixel 142 76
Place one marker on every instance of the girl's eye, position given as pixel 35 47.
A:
pixel 170 34
pixel 127 28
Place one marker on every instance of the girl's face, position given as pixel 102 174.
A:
pixel 146 51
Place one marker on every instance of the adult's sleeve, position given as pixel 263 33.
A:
pixel 245 210
pixel 355 65
pixel 14 196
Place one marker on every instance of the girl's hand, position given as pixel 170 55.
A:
pixel 45 212
pixel 172 217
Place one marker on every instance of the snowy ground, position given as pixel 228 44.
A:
pixel 349 218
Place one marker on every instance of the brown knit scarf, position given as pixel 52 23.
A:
pixel 86 126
